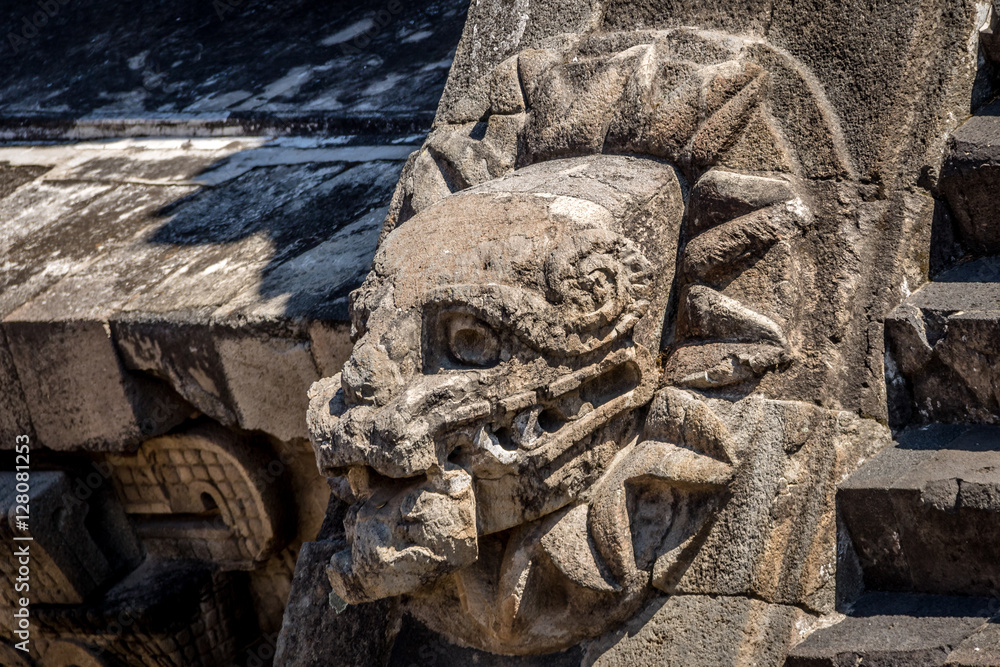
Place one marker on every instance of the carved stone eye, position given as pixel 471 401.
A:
pixel 472 342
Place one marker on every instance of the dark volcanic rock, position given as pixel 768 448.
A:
pixel 200 66
pixel 895 630
pixel 923 514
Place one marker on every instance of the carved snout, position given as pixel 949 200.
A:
pixel 397 440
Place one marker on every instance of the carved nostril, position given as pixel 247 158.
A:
pixel 505 439
pixel 550 421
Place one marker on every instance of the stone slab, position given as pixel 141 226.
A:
pixel 237 66
pixel 138 272
pixel 944 351
pixel 923 515
pixel 895 630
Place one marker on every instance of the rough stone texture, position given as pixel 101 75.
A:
pixel 944 350
pixel 233 67
pixel 225 506
pixel 980 649
pixel 775 539
pixel 358 635
pixel 205 281
pixel 904 44
pixel 969 176
pixel 691 630
pixel 890 630
pixel 402 537
pixel 78 394
pixel 933 495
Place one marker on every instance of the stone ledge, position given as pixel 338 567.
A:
pixel 148 278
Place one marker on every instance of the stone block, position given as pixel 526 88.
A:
pixel 970 177
pixel 944 353
pixel 66 564
pixel 79 224
pixel 895 630
pixel 78 394
pixel 923 514
pixel 268 377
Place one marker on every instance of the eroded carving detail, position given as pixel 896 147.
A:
pixel 203 494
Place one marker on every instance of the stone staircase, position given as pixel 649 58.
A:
pixel 919 556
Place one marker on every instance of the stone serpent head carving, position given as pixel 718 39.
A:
pixel 507 431
pixel 507 337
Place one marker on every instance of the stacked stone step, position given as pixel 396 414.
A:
pixel 920 522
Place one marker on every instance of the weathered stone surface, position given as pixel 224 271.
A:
pixel 163 284
pixel 969 178
pixel 980 649
pixel 712 104
pixel 775 538
pixel 697 630
pixel 934 493
pixel 823 36
pixel 247 66
pixel 359 635
pixel 945 358
pixel 895 629
pixel 214 261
